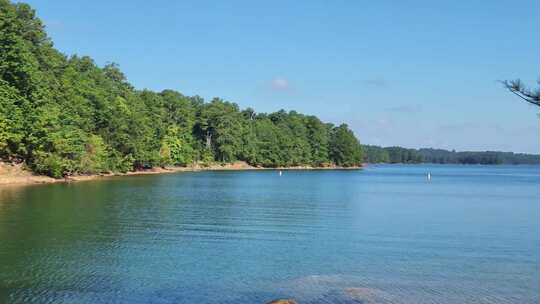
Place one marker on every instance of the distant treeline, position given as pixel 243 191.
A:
pixel 376 154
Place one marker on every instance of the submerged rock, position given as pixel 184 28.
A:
pixel 282 301
pixel 368 295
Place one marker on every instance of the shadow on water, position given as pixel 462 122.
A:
pixel 48 234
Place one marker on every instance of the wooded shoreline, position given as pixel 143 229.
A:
pixel 64 115
pixel 15 174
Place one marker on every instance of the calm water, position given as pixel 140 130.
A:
pixel 381 235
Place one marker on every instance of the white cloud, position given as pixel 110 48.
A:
pixel 280 84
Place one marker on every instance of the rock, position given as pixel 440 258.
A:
pixel 368 295
pixel 282 301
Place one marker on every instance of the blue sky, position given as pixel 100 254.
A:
pixel 415 74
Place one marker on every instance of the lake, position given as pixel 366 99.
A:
pixel 384 234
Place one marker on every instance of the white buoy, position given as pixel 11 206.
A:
pixel 429 176
pixel 280 173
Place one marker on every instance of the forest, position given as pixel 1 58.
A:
pixel 64 115
pixel 376 154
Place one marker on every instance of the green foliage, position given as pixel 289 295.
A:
pixel 65 116
pixel 375 154
pixel 345 150
pixel 94 159
pixel 220 126
pixel 318 138
pixel 11 121
pixel 403 155
pixel 175 150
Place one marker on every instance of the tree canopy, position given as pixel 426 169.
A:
pixel 64 115
pixel 376 154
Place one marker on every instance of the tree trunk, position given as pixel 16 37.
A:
pixel 208 140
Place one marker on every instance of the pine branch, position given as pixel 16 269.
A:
pixel 518 89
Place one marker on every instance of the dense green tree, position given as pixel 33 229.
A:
pixel 318 138
pixel 11 121
pixel 403 155
pixel 220 127
pixel 64 116
pixel 18 64
pixel 375 154
pixel 175 149
pixel 345 150
pixel 269 151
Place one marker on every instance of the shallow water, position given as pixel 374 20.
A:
pixel 379 235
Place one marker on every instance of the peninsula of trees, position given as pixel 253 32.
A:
pixel 65 115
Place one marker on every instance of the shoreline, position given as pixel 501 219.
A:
pixel 14 174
